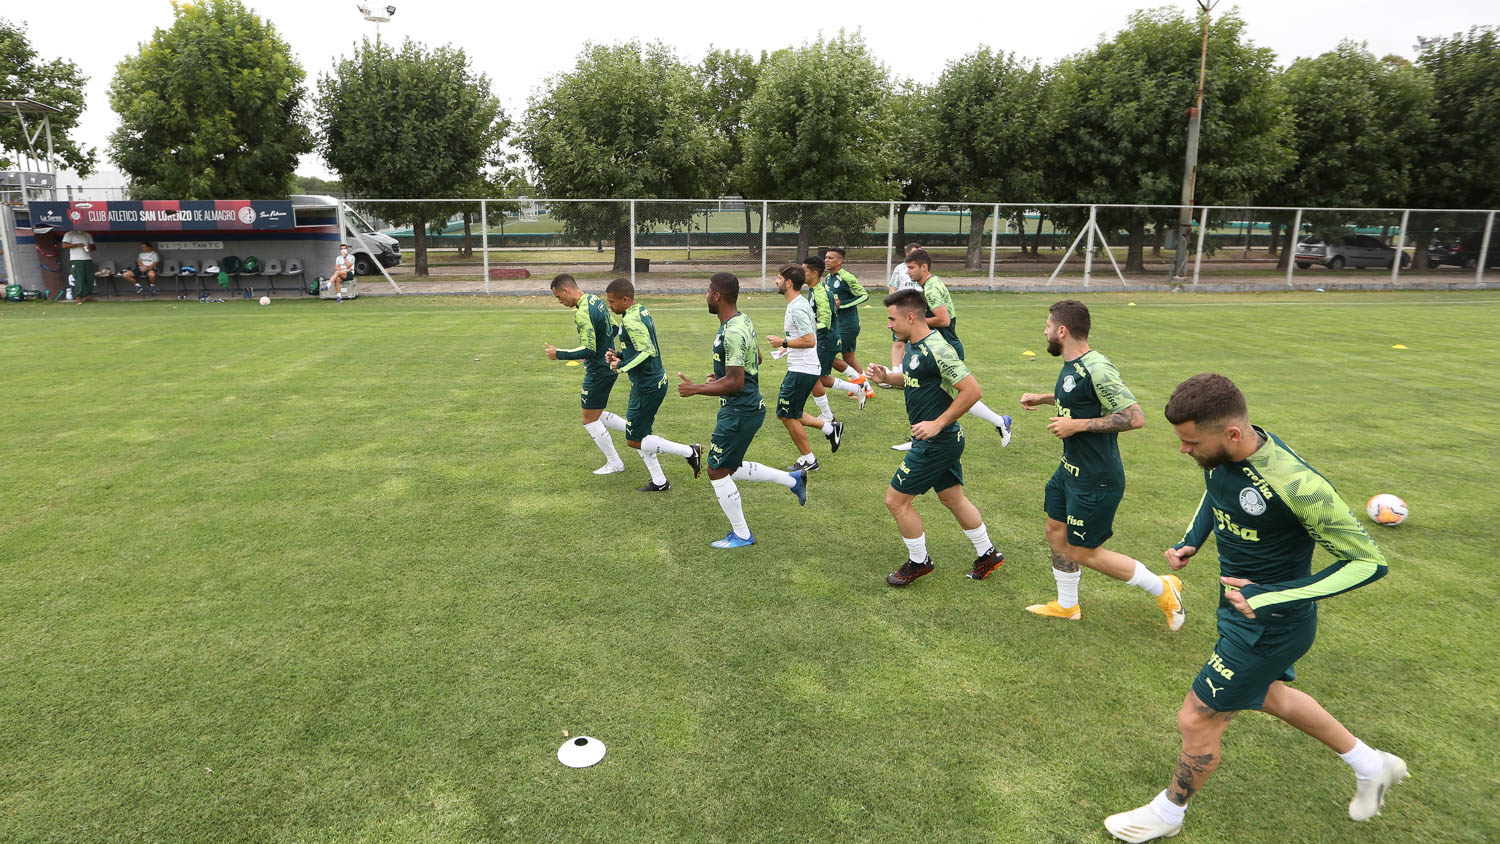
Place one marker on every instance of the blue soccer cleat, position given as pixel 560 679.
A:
pixel 799 489
pixel 1004 429
pixel 732 541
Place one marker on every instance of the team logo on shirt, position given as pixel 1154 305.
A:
pixel 912 364
pixel 1251 502
pixel 718 340
pixel 1069 384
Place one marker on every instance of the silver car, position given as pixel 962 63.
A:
pixel 1354 250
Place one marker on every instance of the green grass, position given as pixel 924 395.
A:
pixel 340 572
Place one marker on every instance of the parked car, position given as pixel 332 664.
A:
pixel 1464 253
pixel 1354 250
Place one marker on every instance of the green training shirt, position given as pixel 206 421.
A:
pixel 1088 388
pixel 596 333
pixel 1267 512
pixel 931 369
pixel 825 308
pixel 734 345
pixel 847 290
pixel 937 295
pixel 636 345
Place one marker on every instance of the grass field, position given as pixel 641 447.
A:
pixel 340 572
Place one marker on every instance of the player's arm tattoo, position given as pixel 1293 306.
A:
pixel 1192 771
pixel 1124 420
pixel 1063 564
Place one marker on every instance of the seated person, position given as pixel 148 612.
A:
pixel 343 269
pixel 147 263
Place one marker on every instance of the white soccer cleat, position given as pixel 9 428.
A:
pixel 1141 824
pixel 906 446
pixel 610 469
pixel 1370 795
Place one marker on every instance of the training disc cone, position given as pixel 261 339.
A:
pixel 580 752
pixel 572 363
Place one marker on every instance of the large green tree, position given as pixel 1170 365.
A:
pixel 1122 120
pixel 916 161
pixel 210 108
pixel 729 78
pixel 53 82
pixel 990 122
pixel 820 128
pixel 410 123
pixel 626 122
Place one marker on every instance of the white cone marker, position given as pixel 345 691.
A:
pixel 580 752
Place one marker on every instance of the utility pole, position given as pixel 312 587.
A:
pixel 1190 172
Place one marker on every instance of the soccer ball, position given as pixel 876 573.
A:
pixel 265 300
pixel 1386 509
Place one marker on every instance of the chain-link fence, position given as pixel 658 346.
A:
pixel 518 245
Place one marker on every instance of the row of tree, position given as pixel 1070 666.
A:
pixel 216 106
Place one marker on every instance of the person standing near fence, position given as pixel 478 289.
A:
pixel 848 294
pixel 595 334
pixel 80 263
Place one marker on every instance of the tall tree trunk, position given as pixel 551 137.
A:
pixel 1158 237
pixel 900 245
pixel 1020 229
pixel 804 230
pixel 1422 239
pixel 977 216
pixel 751 241
pixel 1275 236
pixel 1036 241
pixel 1135 256
pixel 622 249
pixel 1288 246
pixel 419 246
pixel 1385 234
pixel 468 236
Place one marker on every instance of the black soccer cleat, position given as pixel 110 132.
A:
pixel 908 572
pixel 837 436
pixel 986 563
pixel 810 467
pixel 654 487
pixel 695 459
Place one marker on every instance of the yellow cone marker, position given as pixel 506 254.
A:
pixel 1029 353
pixel 571 363
pixel 1398 346
pixel 1131 304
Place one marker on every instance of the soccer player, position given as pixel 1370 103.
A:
pixel 938 389
pixel 900 280
pixel 1093 407
pixel 741 411
pixel 595 334
pixel 825 308
pixel 802 369
pixel 1267 509
pixel 942 317
pixel 848 294
pixel 637 353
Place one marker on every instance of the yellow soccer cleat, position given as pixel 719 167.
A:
pixel 1170 601
pixel 1053 609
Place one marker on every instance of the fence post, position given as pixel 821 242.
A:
pixel 484 241
pixel 890 238
pixel 1202 230
pixel 1292 237
pixel 765 225
pixel 1088 255
pixel 632 243
pixel 994 236
pixel 1400 246
pixel 1484 249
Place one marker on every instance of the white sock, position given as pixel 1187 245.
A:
pixel 729 502
pixel 1067 587
pixel 611 421
pixel 916 549
pixel 657 445
pixel 895 370
pixel 1364 759
pixel 653 466
pixel 1144 579
pixel 806 459
pixel 981 539
pixel 824 411
pixel 841 384
pixel 1167 810
pixel 827 430
pixel 602 439
pixel 763 473
pixel 979 409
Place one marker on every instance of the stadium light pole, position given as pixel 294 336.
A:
pixel 376 17
pixel 1190 171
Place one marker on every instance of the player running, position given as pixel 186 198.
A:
pixel 938 389
pixel 637 353
pixel 741 411
pixel 848 294
pixel 1093 407
pixel 942 316
pixel 595 334
pixel 1267 508
pixel 900 280
pixel 830 343
pixel 802 369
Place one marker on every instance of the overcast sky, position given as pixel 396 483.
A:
pixel 518 45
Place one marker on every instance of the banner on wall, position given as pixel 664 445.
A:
pixel 165 215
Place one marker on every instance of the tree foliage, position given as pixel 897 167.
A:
pixel 729 78
pixel 210 108
pixel 626 122
pixel 410 123
pixel 54 82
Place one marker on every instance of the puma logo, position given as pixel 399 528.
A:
pixel 1211 686
pixel 1080 535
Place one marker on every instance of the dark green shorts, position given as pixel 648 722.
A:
pixel 596 386
pixel 848 328
pixel 828 349
pixel 1087 512
pixel 731 438
pixel 795 388
pixel 931 464
pixel 640 412
pixel 1248 658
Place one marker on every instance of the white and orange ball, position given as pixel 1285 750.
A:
pixel 1386 509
